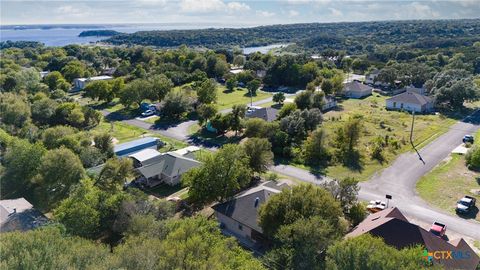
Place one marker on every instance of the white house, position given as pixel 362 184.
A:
pixel 410 101
pixel 80 83
pixel 357 90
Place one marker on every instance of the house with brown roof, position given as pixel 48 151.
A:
pixel 394 228
pixel 410 101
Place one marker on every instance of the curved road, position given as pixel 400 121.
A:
pixel 399 180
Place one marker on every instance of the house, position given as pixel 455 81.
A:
pixel 43 74
pixel 371 77
pixel 155 169
pixel 410 101
pixel 394 228
pixel 131 147
pixel 329 103
pixel 19 215
pixel 236 70
pixel 80 83
pixel 357 89
pixel 413 89
pixel 267 114
pixel 239 216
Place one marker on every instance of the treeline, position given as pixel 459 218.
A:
pixel 98 33
pixel 352 37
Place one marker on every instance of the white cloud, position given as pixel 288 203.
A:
pixel 293 13
pixel 335 12
pixel 237 7
pixel 265 13
pixel 201 6
pixel 73 12
pixel 418 10
pixel 209 6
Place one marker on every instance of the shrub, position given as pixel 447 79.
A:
pixel 473 158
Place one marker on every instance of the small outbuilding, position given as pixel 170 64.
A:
pixel 410 101
pixel 80 83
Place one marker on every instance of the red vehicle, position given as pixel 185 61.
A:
pixel 438 229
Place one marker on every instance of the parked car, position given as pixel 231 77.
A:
pixel 468 138
pixel 148 113
pixel 465 205
pixel 376 206
pixel 438 229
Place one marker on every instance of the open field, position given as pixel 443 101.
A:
pixel 124 132
pixel 378 122
pixel 226 99
pixel 448 182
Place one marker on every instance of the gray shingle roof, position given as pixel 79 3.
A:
pixel 242 208
pixel 19 214
pixel 170 164
pixel 267 114
pixel 411 98
pixel 356 86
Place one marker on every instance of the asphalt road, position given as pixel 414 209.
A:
pixel 398 180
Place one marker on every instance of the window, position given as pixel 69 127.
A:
pixel 240 227
pixel 401 105
pixel 394 104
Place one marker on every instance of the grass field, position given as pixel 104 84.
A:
pixel 226 99
pixel 124 132
pixel 448 182
pixel 379 122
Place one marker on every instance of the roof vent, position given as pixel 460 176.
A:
pixel 257 200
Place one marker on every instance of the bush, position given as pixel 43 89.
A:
pixel 473 158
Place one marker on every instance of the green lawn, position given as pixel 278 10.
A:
pixel 380 122
pixel 124 132
pixel 226 99
pixel 447 183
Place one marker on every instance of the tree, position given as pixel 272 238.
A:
pixel 74 69
pixel 303 100
pixel 473 158
pixel 303 244
pixel 114 174
pixel 313 118
pixel 327 86
pixel 346 140
pixel 189 243
pixel 239 60
pixel 291 205
pixel 176 104
pixel 14 110
pixel 344 191
pixel 161 85
pixel 100 90
pixel 59 169
pixel 259 152
pixel 220 176
pixel 134 92
pixel 256 127
pixel 316 152
pixel 57 136
pixel 49 247
pixel 43 110
pixel 253 86
pixel 278 97
pixel 103 142
pixel 206 112
pixel 207 92
pixel 368 252
pixel 21 161
pixel 221 68
pixel 286 110
pixel 79 212
pixel 221 122
pixel 238 112
pixel 55 80
pixel 231 84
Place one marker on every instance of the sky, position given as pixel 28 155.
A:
pixel 229 12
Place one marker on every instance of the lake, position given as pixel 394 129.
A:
pixel 62 36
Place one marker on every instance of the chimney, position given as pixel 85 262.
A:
pixel 257 200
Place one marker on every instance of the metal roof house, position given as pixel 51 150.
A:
pixel 131 147
pixel 80 83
